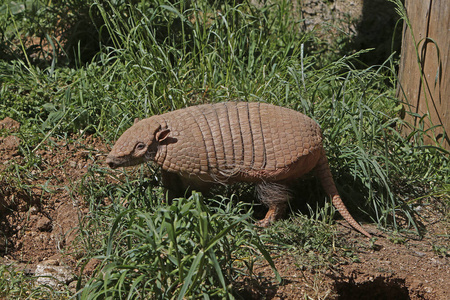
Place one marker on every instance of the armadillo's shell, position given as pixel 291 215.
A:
pixel 238 140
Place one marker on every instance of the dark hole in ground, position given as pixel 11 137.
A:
pixel 379 289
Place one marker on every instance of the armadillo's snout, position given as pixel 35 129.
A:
pixel 111 163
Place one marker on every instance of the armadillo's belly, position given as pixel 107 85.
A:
pixel 239 141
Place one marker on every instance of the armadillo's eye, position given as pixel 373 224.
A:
pixel 140 146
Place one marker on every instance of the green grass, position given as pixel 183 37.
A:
pixel 178 250
pixel 153 57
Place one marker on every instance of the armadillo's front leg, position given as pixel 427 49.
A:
pixel 276 197
pixel 172 184
pixel 176 186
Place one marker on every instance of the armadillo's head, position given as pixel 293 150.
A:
pixel 137 144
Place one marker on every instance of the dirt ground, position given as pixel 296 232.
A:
pixel 39 218
pixel 409 270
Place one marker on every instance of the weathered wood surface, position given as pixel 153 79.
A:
pixel 429 94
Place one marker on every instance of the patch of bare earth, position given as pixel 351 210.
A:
pixel 40 214
pixel 409 270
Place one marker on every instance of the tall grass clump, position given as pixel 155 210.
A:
pixel 160 56
pixel 209 52
pixel 183 250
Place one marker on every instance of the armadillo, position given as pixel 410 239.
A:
pixel 231 142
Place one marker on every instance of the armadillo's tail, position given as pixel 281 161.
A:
pixel 322 171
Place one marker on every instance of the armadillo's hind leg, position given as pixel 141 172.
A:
pixel 276 196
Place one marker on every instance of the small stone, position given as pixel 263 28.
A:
pixel 73 286
pixel 52 275
pixel 33 210
pixel 44 224
pixel 420 254
pixel 10 143
pixel 51 262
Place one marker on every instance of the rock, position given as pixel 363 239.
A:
pixel 10 143
pixel 44 224
pixel 52 274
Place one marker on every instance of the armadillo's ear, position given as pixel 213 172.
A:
pixel 162 134
pixel 136 120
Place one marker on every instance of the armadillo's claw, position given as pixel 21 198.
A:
pixel 275 213
pixel 264 223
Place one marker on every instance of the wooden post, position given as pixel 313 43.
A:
pixel 424 75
